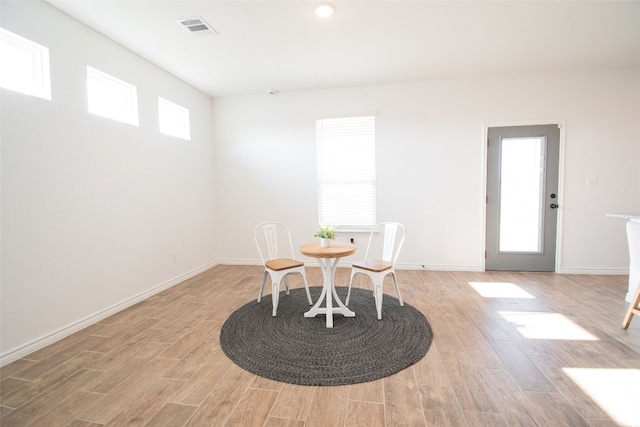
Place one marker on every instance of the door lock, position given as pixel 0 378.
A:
pixel 553 206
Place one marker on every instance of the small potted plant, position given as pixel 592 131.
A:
pixel 326 234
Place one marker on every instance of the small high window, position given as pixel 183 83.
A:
pixel 25 65
pixel 173 119
pixel 111 97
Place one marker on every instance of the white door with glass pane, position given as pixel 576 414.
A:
pixel 522 198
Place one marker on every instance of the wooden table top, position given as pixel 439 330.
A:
pixel 336 250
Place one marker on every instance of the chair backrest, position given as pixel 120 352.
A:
pixel 385 241
pixel 273 240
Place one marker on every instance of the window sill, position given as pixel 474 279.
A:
pixel 354 230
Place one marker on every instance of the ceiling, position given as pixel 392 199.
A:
pixel 282 46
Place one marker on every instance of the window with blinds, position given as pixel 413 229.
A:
pixel 346 164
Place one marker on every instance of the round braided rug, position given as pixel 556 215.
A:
pixel 298 350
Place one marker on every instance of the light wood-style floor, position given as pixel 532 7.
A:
pixel 509 349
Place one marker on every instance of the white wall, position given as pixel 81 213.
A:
pixel 92 209
pixel 431 161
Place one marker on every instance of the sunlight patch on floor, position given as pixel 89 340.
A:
pixel 614 390
pixel 500 290
pixel 547 326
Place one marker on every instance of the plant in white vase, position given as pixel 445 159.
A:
pixel 326 234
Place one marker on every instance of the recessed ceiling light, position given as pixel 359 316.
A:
pixel 325 9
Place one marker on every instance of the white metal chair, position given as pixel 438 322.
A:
pixel 275 264
pixel 387 238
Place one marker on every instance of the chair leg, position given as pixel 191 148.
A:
pixel 633 308
pixel 286 283
pixel 395 281
pixel 275 296
pixel 377 294
pixel 306 286
pixel 264 280
pixel 346 301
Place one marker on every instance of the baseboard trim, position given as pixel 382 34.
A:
pixel 229 261
pixel 37 344
pixel 598 272
pixel 434 267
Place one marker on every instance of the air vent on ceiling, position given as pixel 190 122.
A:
pixel 196 25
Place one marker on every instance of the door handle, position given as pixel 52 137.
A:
pixel 553 206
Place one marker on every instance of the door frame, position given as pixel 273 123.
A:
pixel 561 168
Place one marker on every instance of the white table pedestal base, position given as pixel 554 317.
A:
pixel 328 266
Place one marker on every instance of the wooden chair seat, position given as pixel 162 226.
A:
pixel 283 264
pixel 376 265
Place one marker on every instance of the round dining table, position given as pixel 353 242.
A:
pixel 328 258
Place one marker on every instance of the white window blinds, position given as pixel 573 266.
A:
pixel 346 171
